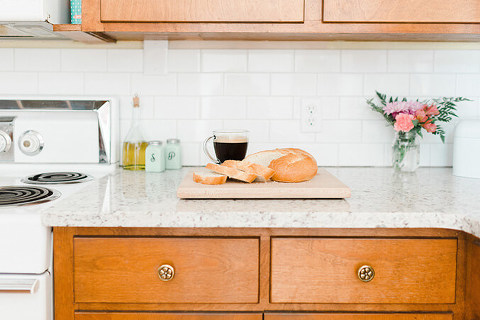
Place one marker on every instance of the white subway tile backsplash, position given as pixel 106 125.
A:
pixel 224 60
pixel 18 83
pixel 271 61
pixel 377 131
pixel 107 83
pixel 317 60
pixel 159 129
pixel 432 85
pixel 457 61
pixel 356 108
pixel 183 60
pixel 250 84
pixel 340 84
pixel 390 84
pixel 7 61
pixel 441 155
pixel 288 131
pixel 364 60
pixel 340 131
pixel 299 84
pixel 84 60
pixel 259 130
pixel 125 60
pixel 177 107
pixel 468 85
pixel 224 108
pixel 200 84
pixel 197 130
pixel 269 108
pixel 361 155
pixel 61 83
pixel 143 84
pixel 260 91
pixel 37 59
pixel 419 61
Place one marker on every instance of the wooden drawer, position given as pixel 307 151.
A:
pixel 170 316
pixel 359 316
pixel 319 270
pixel 202 10
pixel 206 270
pixel 414 11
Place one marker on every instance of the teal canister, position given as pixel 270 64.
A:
pixel 155 157
pixel 173 153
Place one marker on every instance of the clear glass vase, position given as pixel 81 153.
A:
pixel 406 152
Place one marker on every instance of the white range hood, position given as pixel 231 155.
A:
pixel 27 19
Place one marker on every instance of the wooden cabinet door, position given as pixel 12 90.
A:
pixel 413 11
pixel 358 316
pixel 202 10
pixel 205 270
pixel 167 316
pixel 325 270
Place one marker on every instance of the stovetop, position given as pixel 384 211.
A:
pixel 26 195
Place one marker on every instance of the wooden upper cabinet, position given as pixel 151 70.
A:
pixel 171 316
pixel 359 316
pixel 202 10
pixel 411 11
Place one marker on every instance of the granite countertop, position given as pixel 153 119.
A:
pixel 430 198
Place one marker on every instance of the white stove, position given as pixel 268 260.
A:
pixel 28 173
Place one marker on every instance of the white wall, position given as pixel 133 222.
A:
pixel 260 90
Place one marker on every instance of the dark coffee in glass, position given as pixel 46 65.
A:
pixel 228 145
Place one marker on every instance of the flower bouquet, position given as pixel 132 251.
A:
pixel 408 118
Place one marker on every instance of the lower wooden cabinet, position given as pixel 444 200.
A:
pixel 172 316
pixel 359 316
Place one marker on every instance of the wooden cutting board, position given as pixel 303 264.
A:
pixel 323 186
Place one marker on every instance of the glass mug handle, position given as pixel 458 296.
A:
pixel 205 149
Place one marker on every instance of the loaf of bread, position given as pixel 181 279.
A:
pixel 290 165
pixel 205 176
pixel 263 173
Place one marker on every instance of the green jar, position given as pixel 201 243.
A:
pixel 173 154
pixel 155 157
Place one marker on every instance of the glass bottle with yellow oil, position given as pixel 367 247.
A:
pixel 134 145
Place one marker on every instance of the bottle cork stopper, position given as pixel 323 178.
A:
pixel 136 101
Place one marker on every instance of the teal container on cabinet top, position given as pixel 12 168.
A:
pixel 155 157
pixel 173 153
pixel 76 11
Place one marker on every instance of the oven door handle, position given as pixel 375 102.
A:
pixel 18 285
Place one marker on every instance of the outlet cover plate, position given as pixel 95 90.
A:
pixel 311 115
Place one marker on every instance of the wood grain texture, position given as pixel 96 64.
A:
pixel 202 10
pixel 323 185
pixel 124 270
pixel 63 273
pixel 413 11
pixel 407 270
pixel 168 316
pixel 473 279
pixel 358 316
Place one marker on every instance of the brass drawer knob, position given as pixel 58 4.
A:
pixel 166 272
pixel 366 273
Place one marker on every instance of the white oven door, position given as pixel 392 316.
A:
pixel 26 297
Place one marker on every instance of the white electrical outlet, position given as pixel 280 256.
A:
pixel 311 115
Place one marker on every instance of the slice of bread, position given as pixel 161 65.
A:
pixel 209 177
pixel 232 172
pixel 263 173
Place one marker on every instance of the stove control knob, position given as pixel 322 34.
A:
pixel 31 143
pixel 5 141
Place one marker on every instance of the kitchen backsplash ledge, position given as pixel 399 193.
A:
pixel 259 90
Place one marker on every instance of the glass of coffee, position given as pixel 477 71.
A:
pixel 228 145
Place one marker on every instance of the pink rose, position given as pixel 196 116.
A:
pixel 404 122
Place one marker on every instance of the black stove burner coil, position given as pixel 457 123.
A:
pixel 20 195
pixel 57 177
